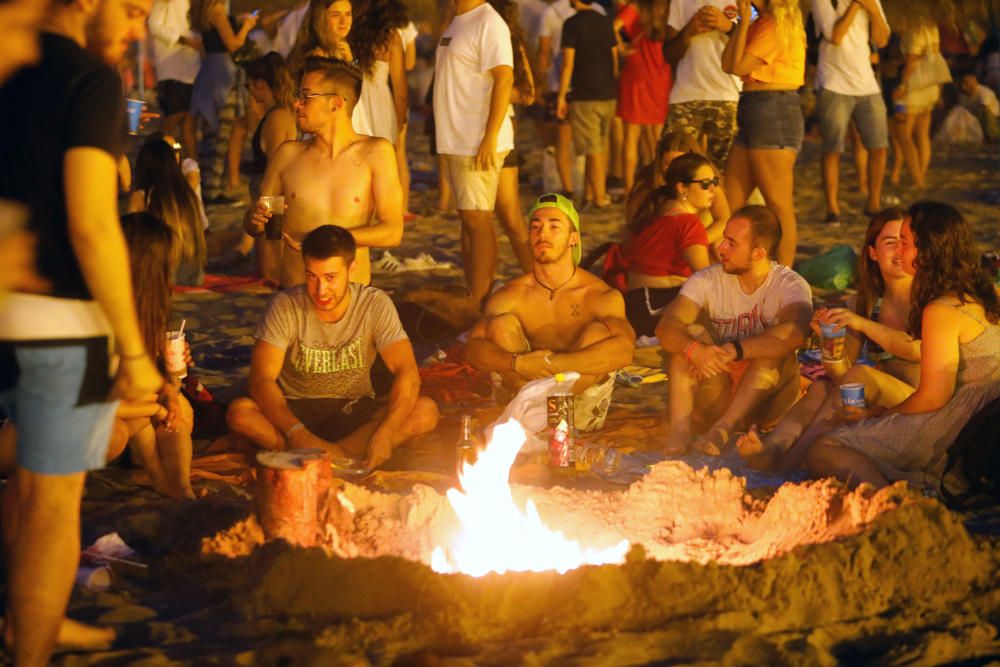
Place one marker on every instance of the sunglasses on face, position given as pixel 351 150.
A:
pixel 706 183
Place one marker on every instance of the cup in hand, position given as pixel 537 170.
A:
pixel 275 205
pixel 853 394
pixel 173 355
pixel 833 341
pixel 134 110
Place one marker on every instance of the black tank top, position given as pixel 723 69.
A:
pixel 259 158
pixel 213 42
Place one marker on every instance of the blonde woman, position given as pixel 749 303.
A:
pixel 769 54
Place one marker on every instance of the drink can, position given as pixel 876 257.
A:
pixel 833 342
pixel 853 394
pixel 561 446
pixel 559 408
pixel 174 355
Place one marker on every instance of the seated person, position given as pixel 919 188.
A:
pixel 747 309
pixel 876 320
pixel 956 315
pixel 555 319
pixel 310 382
pixel 667 241
pixel 981 103
pixel 335 175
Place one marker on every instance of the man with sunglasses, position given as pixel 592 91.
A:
pixel 336 177
pixel 555 319
pixel 735 323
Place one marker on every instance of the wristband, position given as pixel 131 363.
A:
pixel 513 362
pixel 690 349
pixel 739 349
pixel 292 429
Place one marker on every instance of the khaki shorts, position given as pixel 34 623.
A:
pixel 591 123
pixel 474 190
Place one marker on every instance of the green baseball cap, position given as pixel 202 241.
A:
pixel 564 204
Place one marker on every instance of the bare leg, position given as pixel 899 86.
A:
pixel 909 149
pixel 596 177
pixel 269 254
pixel 508 210
pixel 423 418
pixel 444 186
pixel 773 171
pixel 896 128
pixel 404 168
pixel 142 444
pixel 739 178
pixel 922 141
pixel 831 181
pixel 776 449
pixel 245 418
pixel 188 136
pixel 234 154
pixel 479 252
pixel 828 459
pixel 860 158
pixel 564 155
pixel 591 334
pixel 681 388
pixel 631 153
pixel 506 331
pixel 174 449
pixel 877 158
pixel 614 164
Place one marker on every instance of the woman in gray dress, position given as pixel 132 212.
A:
pixel 955 313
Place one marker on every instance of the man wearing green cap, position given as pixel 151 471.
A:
pixel 555 319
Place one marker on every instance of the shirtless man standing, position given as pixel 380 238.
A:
pixel 337 177
pixel 556 319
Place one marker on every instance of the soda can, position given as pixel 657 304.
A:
pixel 561 446
pixel 853 394
pixel 559 408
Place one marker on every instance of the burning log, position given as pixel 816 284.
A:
pixel 292 490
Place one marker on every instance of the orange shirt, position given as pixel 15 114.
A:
pixel 782 64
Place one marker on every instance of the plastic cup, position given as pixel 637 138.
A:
pixel 833 342
pixel 853 394
pixel 94 578
pixel 134 108
pixel 173 355
pixel 276 205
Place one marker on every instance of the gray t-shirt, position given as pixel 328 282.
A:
pixel 329 359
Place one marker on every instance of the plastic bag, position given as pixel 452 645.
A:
pixel 834 269
pixel 529 409
pixel 960 127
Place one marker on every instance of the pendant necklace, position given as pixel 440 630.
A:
pixel 552 290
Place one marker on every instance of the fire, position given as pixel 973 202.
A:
pixel 497 536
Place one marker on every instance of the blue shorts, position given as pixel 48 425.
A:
pixel 769 119
pixel 56 393
pixel 835 112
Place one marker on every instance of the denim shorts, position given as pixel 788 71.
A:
pixel 770 119
pixel 835 112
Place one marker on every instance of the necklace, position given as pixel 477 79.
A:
pixel 552 290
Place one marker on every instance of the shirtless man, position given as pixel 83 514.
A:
pixel 556 319
pixel 337 177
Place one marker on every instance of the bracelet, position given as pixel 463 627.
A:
pixel 739 349
pixel 690 349
pixel 292 429
pixel 513 361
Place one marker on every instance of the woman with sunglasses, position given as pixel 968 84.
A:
pixel 667 241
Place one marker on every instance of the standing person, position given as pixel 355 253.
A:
pixel 956 315
pixel 473 77
pixel 61 124
pixel 644 88
pixel 770 55
pixel 848 89
pixel 377 49
pixel 593 89
pixel 703 98
pixel 747 313
pixel 408 37
pixel 176 59
pixel 215 102
pixel 916 96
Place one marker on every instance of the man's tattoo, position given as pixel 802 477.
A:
pixel 575 309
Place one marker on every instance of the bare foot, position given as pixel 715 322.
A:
pixel 677 443
pixel 712 442
pixel 73 636
pixel 749 444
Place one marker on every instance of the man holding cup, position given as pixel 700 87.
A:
pixel 732 333
pixel 335 177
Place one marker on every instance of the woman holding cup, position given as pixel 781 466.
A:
pixel 866 350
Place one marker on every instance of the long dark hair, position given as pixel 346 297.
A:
pixel 375 24
pixel 523 65
pixel 947 262
pixel 272 70
pixel 650 177
pixel 871 284
pixel 150 246
pixel 681 169
pixel 171 199
pixel 653 18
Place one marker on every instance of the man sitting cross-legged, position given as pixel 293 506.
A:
pixel 337 176
pixel 747 309
pixel 556 319
pixel 309 374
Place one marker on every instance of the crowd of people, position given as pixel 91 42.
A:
pixel 708 96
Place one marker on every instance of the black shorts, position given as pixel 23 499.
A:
pixel 174 96
pixel 334 418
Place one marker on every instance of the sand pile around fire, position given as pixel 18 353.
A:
pixel 802 566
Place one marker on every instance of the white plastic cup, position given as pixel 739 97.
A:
pixel 173 354
pixel 94 577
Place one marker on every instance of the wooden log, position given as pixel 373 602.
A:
pixel 292 490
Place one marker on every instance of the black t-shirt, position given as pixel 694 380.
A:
pixel 69 100
pixel 593 37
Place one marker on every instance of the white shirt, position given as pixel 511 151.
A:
pixel 736 315
pixel 531 13
pixel 844 68
pixel 983 98
pixel 552 25
pixel 288 30
pixel 474 43
pixel 699 75
pixel 168 22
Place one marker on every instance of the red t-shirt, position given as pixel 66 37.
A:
pixel 658 250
